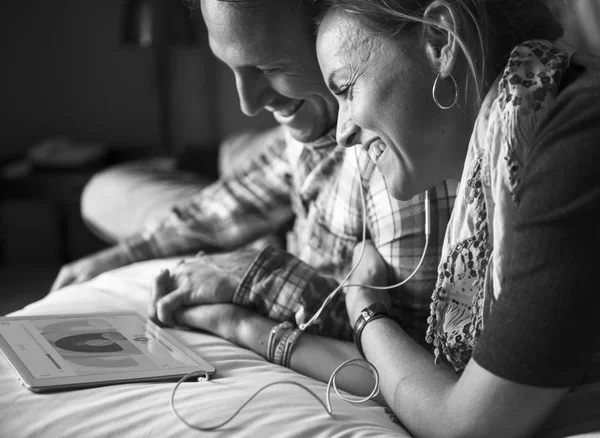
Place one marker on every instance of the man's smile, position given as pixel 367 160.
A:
pixel 286 111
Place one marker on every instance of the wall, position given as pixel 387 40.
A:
pixel 64 71
pixel 581 19
pixel 231 118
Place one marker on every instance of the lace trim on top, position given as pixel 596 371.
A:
pixel 466 260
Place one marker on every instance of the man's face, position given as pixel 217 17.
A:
pixel 271 50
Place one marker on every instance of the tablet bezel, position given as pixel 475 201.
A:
pixel 86 381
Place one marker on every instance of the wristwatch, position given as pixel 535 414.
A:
pixel 368 314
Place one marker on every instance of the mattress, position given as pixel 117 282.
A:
pixel 143 409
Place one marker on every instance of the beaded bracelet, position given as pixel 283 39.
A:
pixel 273 338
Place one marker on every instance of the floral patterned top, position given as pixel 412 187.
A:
pixel 477 247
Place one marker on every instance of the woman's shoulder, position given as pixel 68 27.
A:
pixel 586 67
pixel 539 72
pixel 576 106
pixel 525 91
pixel 580 86
pixel 566 142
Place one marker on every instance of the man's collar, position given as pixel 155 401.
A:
pixel 325 141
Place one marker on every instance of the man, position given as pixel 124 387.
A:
pixel 270 48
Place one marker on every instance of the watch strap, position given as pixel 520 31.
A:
pixel 371 313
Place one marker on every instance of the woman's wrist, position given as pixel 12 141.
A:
pixel 358 298
pixel 253 332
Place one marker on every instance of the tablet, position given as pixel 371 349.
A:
pixel 58 352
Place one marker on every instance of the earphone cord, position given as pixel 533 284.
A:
pixel 343 284
pixel 358 362
pixel 326 406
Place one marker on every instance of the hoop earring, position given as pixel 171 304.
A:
pixel 437 102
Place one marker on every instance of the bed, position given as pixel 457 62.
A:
pixel 142 409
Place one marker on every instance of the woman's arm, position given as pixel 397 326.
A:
pixel 541 333
pixel 431 400
pixel 314 356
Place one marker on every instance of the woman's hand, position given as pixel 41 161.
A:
pixel 371 271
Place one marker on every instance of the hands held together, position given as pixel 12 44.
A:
pixel 199 293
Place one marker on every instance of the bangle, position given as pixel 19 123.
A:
pixel 273 338
pixel 368 314
pixel 278 358
pixel 289 345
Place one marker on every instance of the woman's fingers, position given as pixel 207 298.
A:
pixel 162 284
pixel 168 304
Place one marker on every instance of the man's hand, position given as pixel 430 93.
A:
pixel 228 321
pixel 371 271
pixel 210 279
pixel 91 266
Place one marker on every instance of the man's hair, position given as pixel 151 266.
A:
pixel 488 30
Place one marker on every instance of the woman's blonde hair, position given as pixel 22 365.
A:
pixel 486 30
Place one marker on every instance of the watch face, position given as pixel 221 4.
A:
pixel 373 310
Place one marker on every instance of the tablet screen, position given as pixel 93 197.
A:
pixel 87 345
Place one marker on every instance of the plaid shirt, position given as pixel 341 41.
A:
pixel 319 184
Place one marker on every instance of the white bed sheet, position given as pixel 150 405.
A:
pixel 142 410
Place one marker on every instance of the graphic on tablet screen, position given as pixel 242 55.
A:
pixel 90 343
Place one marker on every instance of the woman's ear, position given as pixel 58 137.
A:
pixel 440 36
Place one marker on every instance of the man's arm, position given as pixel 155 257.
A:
pixel 282 287
pixel 226 214
pixel 229 213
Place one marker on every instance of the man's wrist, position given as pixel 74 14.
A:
pixel 244 287
pixel 117 256
pixel 135 248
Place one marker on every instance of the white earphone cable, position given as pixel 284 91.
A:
pixel 359 362
pixel 343 284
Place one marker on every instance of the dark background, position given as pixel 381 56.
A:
pixel 71 68
pixel 74 69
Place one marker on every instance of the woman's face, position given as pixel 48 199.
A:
pixel 384 87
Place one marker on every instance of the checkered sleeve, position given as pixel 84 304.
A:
pixel 398 230
pixel 229 213
pixel 283 287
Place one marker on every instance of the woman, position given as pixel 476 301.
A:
pixel 474 90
